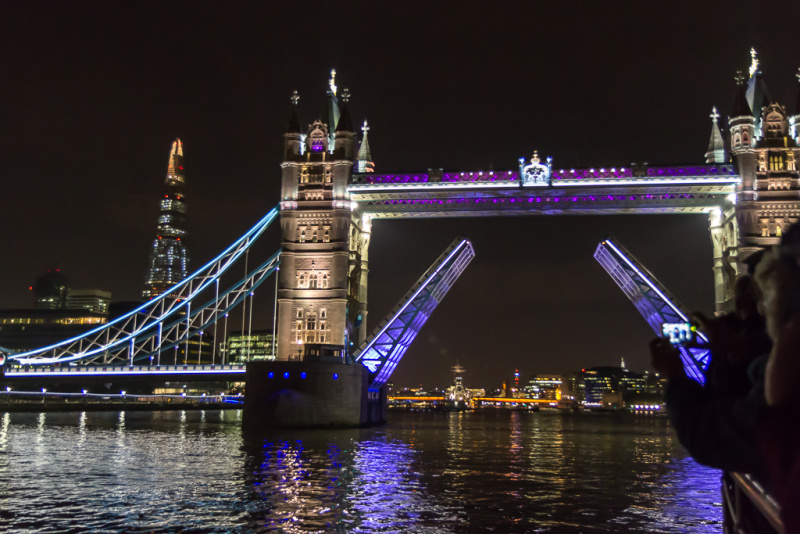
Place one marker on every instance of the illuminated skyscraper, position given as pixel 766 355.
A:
pixel 169 257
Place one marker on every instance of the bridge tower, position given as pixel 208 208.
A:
pixel 765 149
pixel 322 283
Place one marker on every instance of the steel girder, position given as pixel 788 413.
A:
pixel 383 349
pixel 141 332
pixel 651 299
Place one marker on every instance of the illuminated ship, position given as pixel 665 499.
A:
pixel 457 397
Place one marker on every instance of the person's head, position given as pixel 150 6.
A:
pixel 778 276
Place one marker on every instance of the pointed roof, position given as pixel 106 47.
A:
pixel 364 157
pixel 345 123
pixel 294 119
pixel 758 94
pixel 797 104
pixel 176 151
pixel 740 105
pixel 332 104
pixel 716 145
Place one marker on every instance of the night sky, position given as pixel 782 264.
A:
pixel 92 95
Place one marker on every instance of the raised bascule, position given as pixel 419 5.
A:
pixel 328 369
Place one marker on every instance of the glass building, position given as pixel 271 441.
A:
pixel 257 345
pixel 169 258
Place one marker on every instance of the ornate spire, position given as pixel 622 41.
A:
pixel 345 124
pixel 797 104
pixel 716 145
pixel 740 105
pixel 332 82
pixel 293 126
pixel 753 62
pixel 364 161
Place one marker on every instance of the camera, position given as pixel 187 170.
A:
pixel 678 333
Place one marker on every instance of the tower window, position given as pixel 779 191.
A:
pixel 311 322
pixel 326 235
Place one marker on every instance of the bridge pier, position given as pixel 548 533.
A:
pixel 307 394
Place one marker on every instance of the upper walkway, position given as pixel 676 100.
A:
pixel 688 189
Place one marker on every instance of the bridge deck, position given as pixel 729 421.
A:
pixel 697 189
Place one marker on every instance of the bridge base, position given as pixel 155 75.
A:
pixel 309 395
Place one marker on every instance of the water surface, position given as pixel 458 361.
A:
pixel 485 471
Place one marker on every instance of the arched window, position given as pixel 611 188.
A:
pixel 745 139
pixel 301 280
pixel 302 237
pixel 737 140
pixel 314 235
pixel 325 281
pixel 311 322
pixel 312 281
pixel 299 313
pixel 326 236
pixel 323 313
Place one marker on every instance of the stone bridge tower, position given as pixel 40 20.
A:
pixel 322 282
pixel 764 144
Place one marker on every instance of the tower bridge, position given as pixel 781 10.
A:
pixel 328 368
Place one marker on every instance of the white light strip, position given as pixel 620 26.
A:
pixel 653 287
pixel 649 181
pixel 20 374
pixel 568 182
pixel 410 300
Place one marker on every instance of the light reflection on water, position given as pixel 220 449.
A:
pixel 485 471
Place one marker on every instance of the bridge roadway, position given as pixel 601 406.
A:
pixel 99 373
pixel 688 189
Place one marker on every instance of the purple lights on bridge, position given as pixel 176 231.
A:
pixel 547 200
pixel 612 173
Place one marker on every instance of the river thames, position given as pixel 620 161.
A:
pixel 430 472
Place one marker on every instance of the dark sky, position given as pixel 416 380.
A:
pixel 92 95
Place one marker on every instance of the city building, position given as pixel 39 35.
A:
pixel 573 387
pixel 543 387
pixel 258 345
pixel 93 300
pixel 50 290
pixel 169 256
pixel 30 329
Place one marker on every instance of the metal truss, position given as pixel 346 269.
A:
pixel 651 299
pixel 385 347
pixel 167 320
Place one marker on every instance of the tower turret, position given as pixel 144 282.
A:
pixel 169 257
pixel 344 137
pixel 716 145
pixel 332 107
pixel 742 122
pixel 364 161
pixel 758 95
pixel 293 138
pixel 794 120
